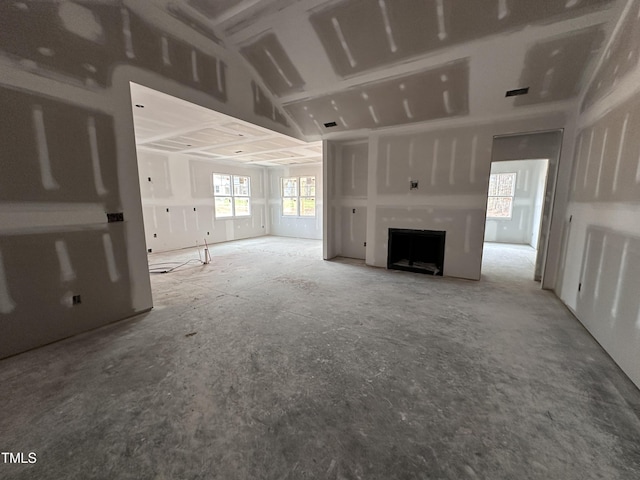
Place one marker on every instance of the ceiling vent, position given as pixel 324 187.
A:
pixel 330 124
pixel 517 91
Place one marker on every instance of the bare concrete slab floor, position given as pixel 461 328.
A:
pixel 273 364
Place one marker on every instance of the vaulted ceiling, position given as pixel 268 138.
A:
pixel 367 64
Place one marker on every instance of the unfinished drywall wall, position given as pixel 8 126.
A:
pixel 68 154
pixel 359 35
pixel 178 201
pixel 538 206
pixel 600 273
pixel 526 211
pixel 348 201
pixel 294 226
pixel 451 167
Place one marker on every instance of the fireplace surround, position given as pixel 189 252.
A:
pixel 420 251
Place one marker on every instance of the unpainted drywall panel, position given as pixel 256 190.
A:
pixel 441 162
pixel 439 92
pixel 185 214
pixel 527 145
pixel 354 232
pixel 157 182
pixel 264 107
pixel 554 69
pixel 464 227
pixel 608 303
pixel 354 161
pixel 620 59
pixel 360 35
pixel 85 42
pixel 292 226
pixel 272 63
pixel 43 272
pixel 607 157
pixel 43 163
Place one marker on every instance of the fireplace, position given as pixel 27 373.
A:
pixel 420 251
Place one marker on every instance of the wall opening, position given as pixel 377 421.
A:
pixel 539 156
pixel 420 251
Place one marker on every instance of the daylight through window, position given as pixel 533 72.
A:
pixel 232 195
pixel 502 188
pixel 299 196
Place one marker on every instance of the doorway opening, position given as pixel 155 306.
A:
pixel 519 204
pixel 515 204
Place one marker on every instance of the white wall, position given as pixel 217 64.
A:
pixel 538 205
pixel 68 154
pixel 600 273
pixel 178 202
pixel 527 203
pixel 287 226
pixel 452 168
pixel 348 201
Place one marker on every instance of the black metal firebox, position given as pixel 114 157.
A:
pixel 420 251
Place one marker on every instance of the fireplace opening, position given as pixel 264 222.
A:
pixel 420 251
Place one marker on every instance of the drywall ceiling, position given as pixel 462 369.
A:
pixel 171 125
pixel 369 64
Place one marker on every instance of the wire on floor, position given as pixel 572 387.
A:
pixel 167 268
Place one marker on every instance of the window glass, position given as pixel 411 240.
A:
pixel 223 207
pixel 221 184
pixel 502 187
pixel 290 206
pixel 308 207
pixel 289 187
pixel 242 206
pixel 241 186
pixel 231 195
pixel 307 186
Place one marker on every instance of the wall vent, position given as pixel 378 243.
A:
pixel 330 124
pixel 517 91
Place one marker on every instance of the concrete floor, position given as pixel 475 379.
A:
pixel 273 364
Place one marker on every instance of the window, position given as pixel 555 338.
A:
pixel 299 196
pixel 232 195
pixel 502 187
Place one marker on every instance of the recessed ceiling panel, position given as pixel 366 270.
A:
pixel 167 145
pixel 435 93
pixel 205 137
pixel 359 35
pixel 553 70
pixel 272 63
pixel 245 129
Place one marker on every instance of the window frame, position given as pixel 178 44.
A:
pixel 511 197
pixel 298 197
pixel 232 195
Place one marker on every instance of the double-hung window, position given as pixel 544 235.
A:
pixel 502 188
pixel 232 194
pixel 299 196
